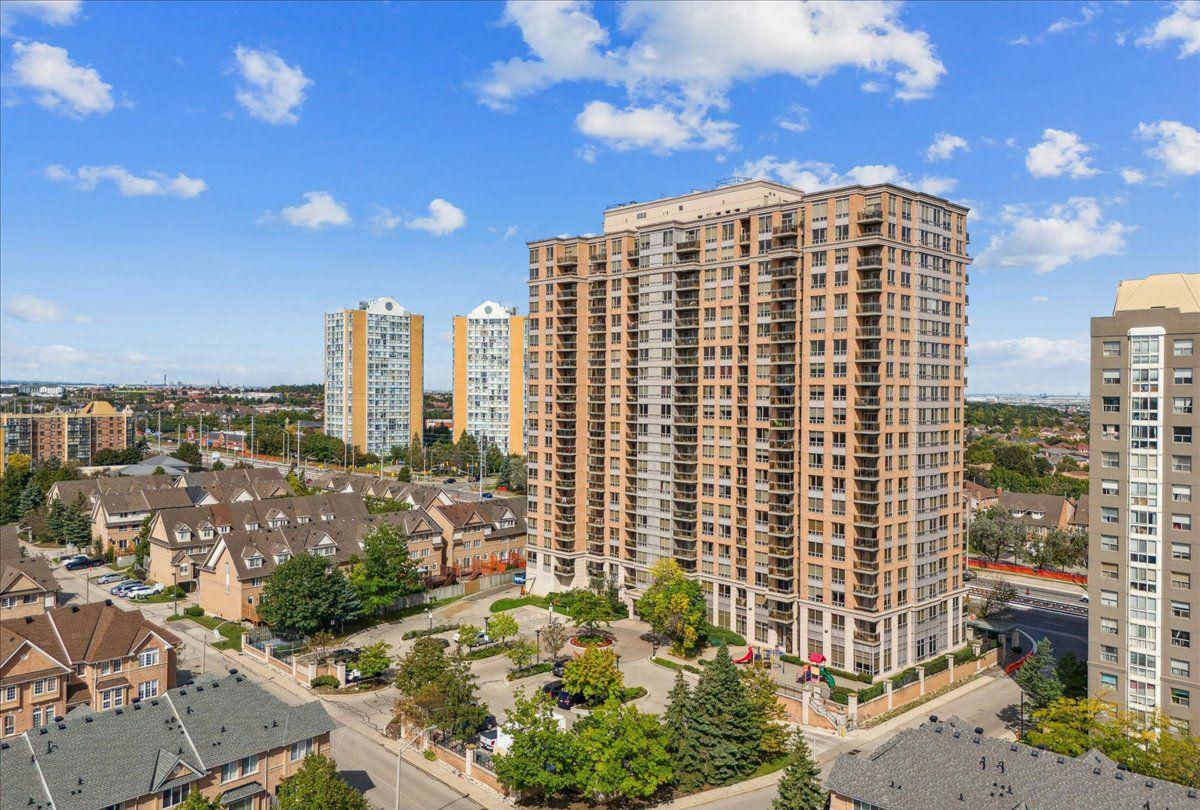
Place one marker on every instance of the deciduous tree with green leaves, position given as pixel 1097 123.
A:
pixel 301 596
pixel 589 611
pixel 553 638
pixel 317 784
pixel 542 760
pixel 521 653
pixel 769 714
pixel 674 606
pixel 1072 674
pixel 502 627
pixel 196 801
pixel 594 675
pixel 623 752
pixel 374 660
pixel 386 571
pixel 189 453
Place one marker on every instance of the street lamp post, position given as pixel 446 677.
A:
pixel 400 757
pixel 538 634
pixel 429 613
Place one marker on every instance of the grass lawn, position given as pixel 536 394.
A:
pixel 160 598
pixel 231 631
pixel 359 625
pixel 669 664
pixel 509 603
pixel 770 766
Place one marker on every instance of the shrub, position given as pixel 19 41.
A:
pixel 427 631
pixel 323 681
pixel 861 677
pixel 429 754
pixel 719 635
pixel 195 611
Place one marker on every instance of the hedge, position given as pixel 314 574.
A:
pixel 324 681
pixel 194 611
pixel 429 631
pixel 532 669
pixel 719 635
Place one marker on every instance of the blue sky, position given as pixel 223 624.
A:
pixel 187 187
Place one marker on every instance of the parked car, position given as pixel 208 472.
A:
pixel 565 700
pixel 552 688
pixel 121 588
pixel 487 496
pixel 481 639
pixel 519 579
pixel 67 559
pixel 968 576
pixel 105 579
pixel 489 722
pixel 487 739
pixel 345 654
pixel 85 562
pixel 560 667
pixel 1083 597
pixel 142 591
pixel 450 481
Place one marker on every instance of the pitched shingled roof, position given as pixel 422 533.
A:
pixel 97 759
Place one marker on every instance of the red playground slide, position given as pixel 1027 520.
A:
pixel 747 658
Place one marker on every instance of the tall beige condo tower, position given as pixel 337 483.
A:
pixel 489 376
pixel 766 386
pixel 374 389
pixel 1143 553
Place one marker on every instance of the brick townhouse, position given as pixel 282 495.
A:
pixel 181 538
pixel 227 738
pixel 95 654
pixel 482 534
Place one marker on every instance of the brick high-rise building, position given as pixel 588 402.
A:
pixel 1143 553
pixel 489 376
pixel 766 386
pixel 65 435
pixel 374 376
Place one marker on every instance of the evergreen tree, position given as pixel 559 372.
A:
pixel 1037 677
pixel 681 743
pixel 53 530
pixel 800 787
pixel 31 498
pixel 723 723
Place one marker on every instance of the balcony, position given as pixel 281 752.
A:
pixel 568 258
pixel 870 285
pixel 873 262
pixel 871 214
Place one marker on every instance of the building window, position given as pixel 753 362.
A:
pixel 1181 610
pixel 112 698
pixel 174 796
pixel 10 693
pixel 1108 680
pixel 299 750
pixel 1181 638
pixel 148 658
pixel 1180 669
pixel 1108 654
pixel 1111 376
pixel 1183 376
pixel 1108 598
pixel 1110 459
pixel 1108 626
pixel 1183 347
pixel 1112 348
pixel 147 689
pixel 1181 697
pixel 1181 580
pixel 1109 514
pixel 1109 542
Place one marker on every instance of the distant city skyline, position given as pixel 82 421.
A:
pixel 191 203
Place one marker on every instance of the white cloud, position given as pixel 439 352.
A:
pixel 812 175
pixel 272 90
pixel 86 178
pixel 1183 24
pixel 50 12
pixel 1133 176
pixel 31 309
pixel 687 58
pixel 1064 233
pixel 1040 299
pixel 1086 15
pixel 386 219
pixel 1059 153
pixel 944 145
pixel 318 210
pixel 443 218
pixel 1176 146
pixel 795 119
pixel 1029 365
pixel 587 153
pixel 656 128
pixel 58 83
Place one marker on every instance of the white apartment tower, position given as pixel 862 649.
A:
pixel 374 393
pixel 489 376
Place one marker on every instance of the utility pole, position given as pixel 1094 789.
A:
pixel 252 453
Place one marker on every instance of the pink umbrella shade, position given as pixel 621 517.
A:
pixel 816 658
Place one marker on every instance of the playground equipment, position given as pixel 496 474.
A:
pixel 813 670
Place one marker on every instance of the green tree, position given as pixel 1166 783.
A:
pixel 386 572
pixel 425 662
pixel 1036 676
pixel 502 627
pixel 995 534
pixel 681 741
pixel 1072 674
pixel 374 660
pixel 31 498
pixel 542 760
pixel 301 596
pixel 996 598
pixel 218 465
pixel 317 784
pixel 800 786
pixel 513 474
pixel 77 522
pixel 521 653
pixel 589 610
pixel 141 546
pixel 722 721
pixel 439 689
pixel 189 453
pixel 196 801
pixel 466 635
pixel 594 675
pixel 461 713
pixel 623 752
pixel 768 713
pixel 52 529
pixel 158 470
pixel 674 606
pixel 16 474
pixel 494 459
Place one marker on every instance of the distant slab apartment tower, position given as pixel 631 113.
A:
pixel 766 386
pixel 1143 548
pixel 374 361
pixel 489 376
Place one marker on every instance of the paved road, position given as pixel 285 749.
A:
pixel 362 760
pixel 1066 632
